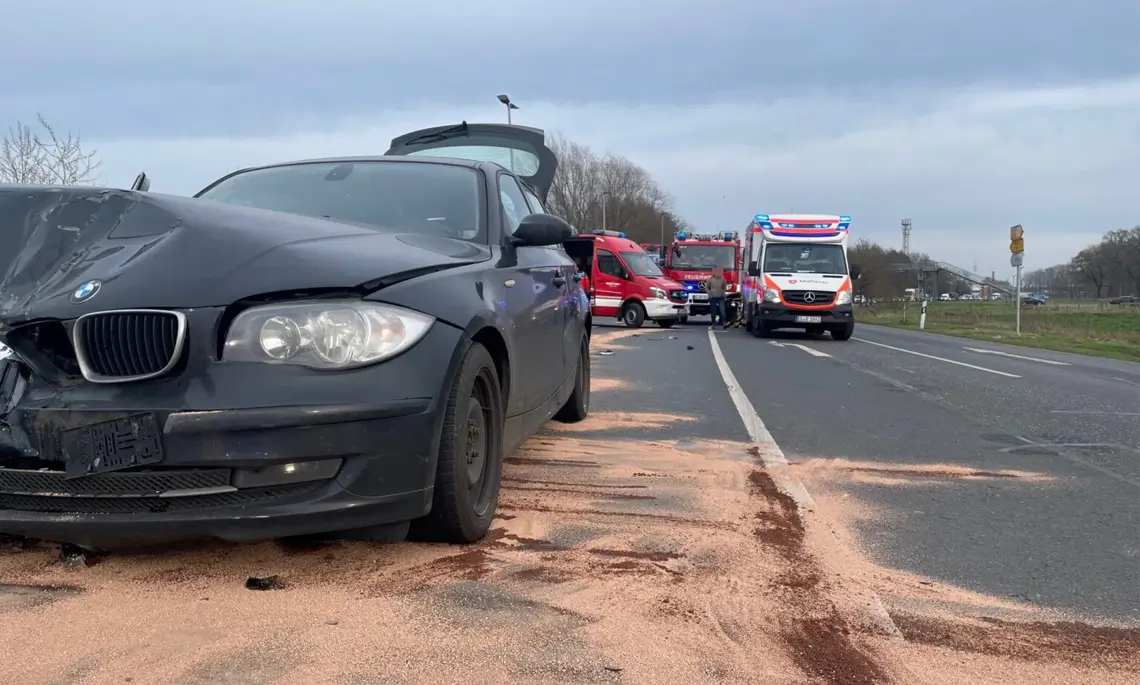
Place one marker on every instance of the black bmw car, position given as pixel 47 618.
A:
pixel 345 346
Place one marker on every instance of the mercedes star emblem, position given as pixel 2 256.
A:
pixel 809 297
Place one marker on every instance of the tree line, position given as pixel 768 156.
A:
pixel 587 185
pixel 1106 269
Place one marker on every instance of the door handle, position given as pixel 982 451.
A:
pixel 560 281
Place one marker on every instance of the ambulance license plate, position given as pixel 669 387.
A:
pixel 809 319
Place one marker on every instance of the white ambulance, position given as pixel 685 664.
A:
pixel 795 275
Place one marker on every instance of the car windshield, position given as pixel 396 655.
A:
pixel 804 258
pixel 439 199
pixel 704 257
pixel 641 263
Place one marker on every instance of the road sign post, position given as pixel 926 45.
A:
pixel 1016 260
pixel 922 315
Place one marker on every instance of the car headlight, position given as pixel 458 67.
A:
pixel 771 295
pixel 324 335
pixel 658 293
pixel 844 297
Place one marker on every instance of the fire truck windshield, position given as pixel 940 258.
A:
pixel 703 257
pixel 812 259
pixel 641 263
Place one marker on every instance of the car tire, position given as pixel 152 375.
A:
pixel 577 407
pixel 760 329
pixel 844 333
pixel 666 323
pixel 470 447
pixel 684 320
pixel 633 314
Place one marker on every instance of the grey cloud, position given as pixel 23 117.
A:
pixel 127 67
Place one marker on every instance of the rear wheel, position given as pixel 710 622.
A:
pixel 684 320
pixel 578 406
pixel 469 470
pixel 666 323
pixel 843 333
pixel 633 314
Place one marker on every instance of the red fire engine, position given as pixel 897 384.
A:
pixel 690 260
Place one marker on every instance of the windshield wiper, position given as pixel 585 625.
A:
pixel 439 136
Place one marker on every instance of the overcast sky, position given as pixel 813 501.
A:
pixel 966 116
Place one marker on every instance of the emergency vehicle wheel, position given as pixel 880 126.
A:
pixel 666 323
pixel 843 333
pixel 760 329
pixel 633 314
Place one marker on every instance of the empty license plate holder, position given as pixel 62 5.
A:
pixel 112 445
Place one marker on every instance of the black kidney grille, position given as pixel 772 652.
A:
pixel 128 344
pixel 800 297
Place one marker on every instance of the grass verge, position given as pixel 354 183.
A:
pixel 1082 328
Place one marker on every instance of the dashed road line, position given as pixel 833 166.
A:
pixel 940 359
pixel 1017 356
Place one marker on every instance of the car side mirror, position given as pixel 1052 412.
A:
pixel 856 272
pixel 541 230
pixel 753 268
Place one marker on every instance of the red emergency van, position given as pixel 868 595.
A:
pixel 625 283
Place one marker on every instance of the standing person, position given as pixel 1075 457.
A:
pixel 716 287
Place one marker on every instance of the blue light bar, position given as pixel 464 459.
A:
pixel 845 218
pixel 761 217
pixel 729 235
pixel 681 235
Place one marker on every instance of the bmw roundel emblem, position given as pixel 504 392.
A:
pixel 86 291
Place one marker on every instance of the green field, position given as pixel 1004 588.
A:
pixel 1082 327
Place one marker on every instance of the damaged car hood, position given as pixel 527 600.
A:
pixel 162 251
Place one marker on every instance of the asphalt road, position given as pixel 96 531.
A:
pixel 1061 531
pixel 947 513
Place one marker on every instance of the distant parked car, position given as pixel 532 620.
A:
pixel 1123 299
pixel 1031 301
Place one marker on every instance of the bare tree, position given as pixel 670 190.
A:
pixel 45 156
pixel 1092 265
pixel 589 184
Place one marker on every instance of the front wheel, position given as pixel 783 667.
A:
pixel 844 333
pixel 666 323
pixel 633 315
pixel 760 329
pixel 470 465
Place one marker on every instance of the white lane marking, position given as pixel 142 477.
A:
pixel 1017 356
pixel 810 350
pixel 770 453
pixel 1096 413
pixel 774 461
pixel 941 359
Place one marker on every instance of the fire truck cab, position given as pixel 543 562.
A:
pixel 690 259
pixel 796 275
pixel 625 283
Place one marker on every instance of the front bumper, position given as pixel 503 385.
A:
pixel 665 309
pixel 227 433
pixel 779 316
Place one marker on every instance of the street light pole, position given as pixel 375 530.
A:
pixel 506 100
pixel 604 196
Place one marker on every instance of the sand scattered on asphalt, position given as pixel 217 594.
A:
pixel 608 384
pixel 622 420
pixel 905 474
pixel 611 561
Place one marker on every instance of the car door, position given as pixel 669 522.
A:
pixel 575 304
pixel 537 301
pixel 609 283
pixel 521 149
